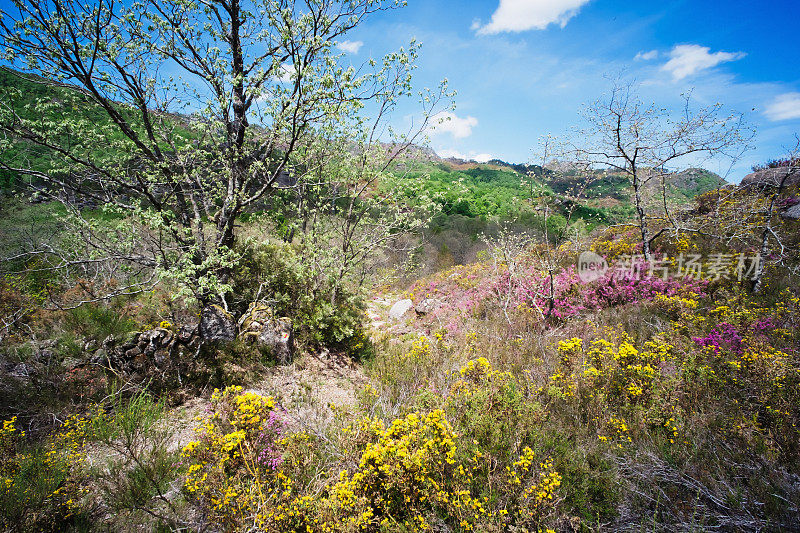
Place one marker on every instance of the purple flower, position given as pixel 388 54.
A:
pixel 723 336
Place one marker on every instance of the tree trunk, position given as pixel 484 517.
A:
pixel 641 216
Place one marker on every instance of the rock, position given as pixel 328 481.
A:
pixel 187 333
pixel 400 308
pixel 278 337
pixel 131 340
pixel 216 324
pixel 161 357
pixel 793 212
pixel 108 342
pixel 259 325
pixel 133 352
pixel 100 357
pixel 70 363
pixel 151 341
pixel 428 305
pixel 772 177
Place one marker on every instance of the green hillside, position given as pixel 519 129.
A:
pixel 78 121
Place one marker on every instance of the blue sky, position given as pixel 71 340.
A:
pixel 523 68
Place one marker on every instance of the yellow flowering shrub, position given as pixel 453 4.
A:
pixel 410 474
pixel 38 488
pixel 418 470
pixel 234 467
pixel 618 371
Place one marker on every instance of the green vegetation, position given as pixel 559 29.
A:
pixel 74 120
pixel 207 324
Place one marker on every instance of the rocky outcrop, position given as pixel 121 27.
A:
pixel 216 324
pixel 141 351
pixel 772 177
pixel 260 326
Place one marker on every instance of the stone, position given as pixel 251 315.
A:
pixel 772 177
pixel 130 340
pixel 108 342
pixel 70 363
pixel 793 212
pixel 187 333
pixel 161 357
pixel 428 305
pixel 400 308
pixel 133 352
pixel 151 341
pixel 216 324
pixel 259 325
pixel 100 357
pixel 278 336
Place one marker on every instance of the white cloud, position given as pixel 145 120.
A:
pixel 784 107
pixel 688 59
pixel 351 47
pixel 646 56
pixel 286 73
pixel 447 122
pixel 522 15
pixel 447 153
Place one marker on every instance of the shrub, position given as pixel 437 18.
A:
pixel 276 274
pixel 98 321
pixel 410 475
pixel 233 469
pixel 38 488
pixel 135 473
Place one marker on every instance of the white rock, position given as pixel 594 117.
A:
pixel 400 308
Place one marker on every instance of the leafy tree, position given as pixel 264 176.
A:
pixel 210 106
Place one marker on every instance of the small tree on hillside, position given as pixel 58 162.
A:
pixel 647 143
pixel 188 114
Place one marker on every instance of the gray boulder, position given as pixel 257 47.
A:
pixel 400 308
pixel 216 324
pixel 772 177
pixel 793 212
pixel 260 326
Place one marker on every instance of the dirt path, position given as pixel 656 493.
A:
pixel 309 387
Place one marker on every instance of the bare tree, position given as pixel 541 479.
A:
pixel 646 143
